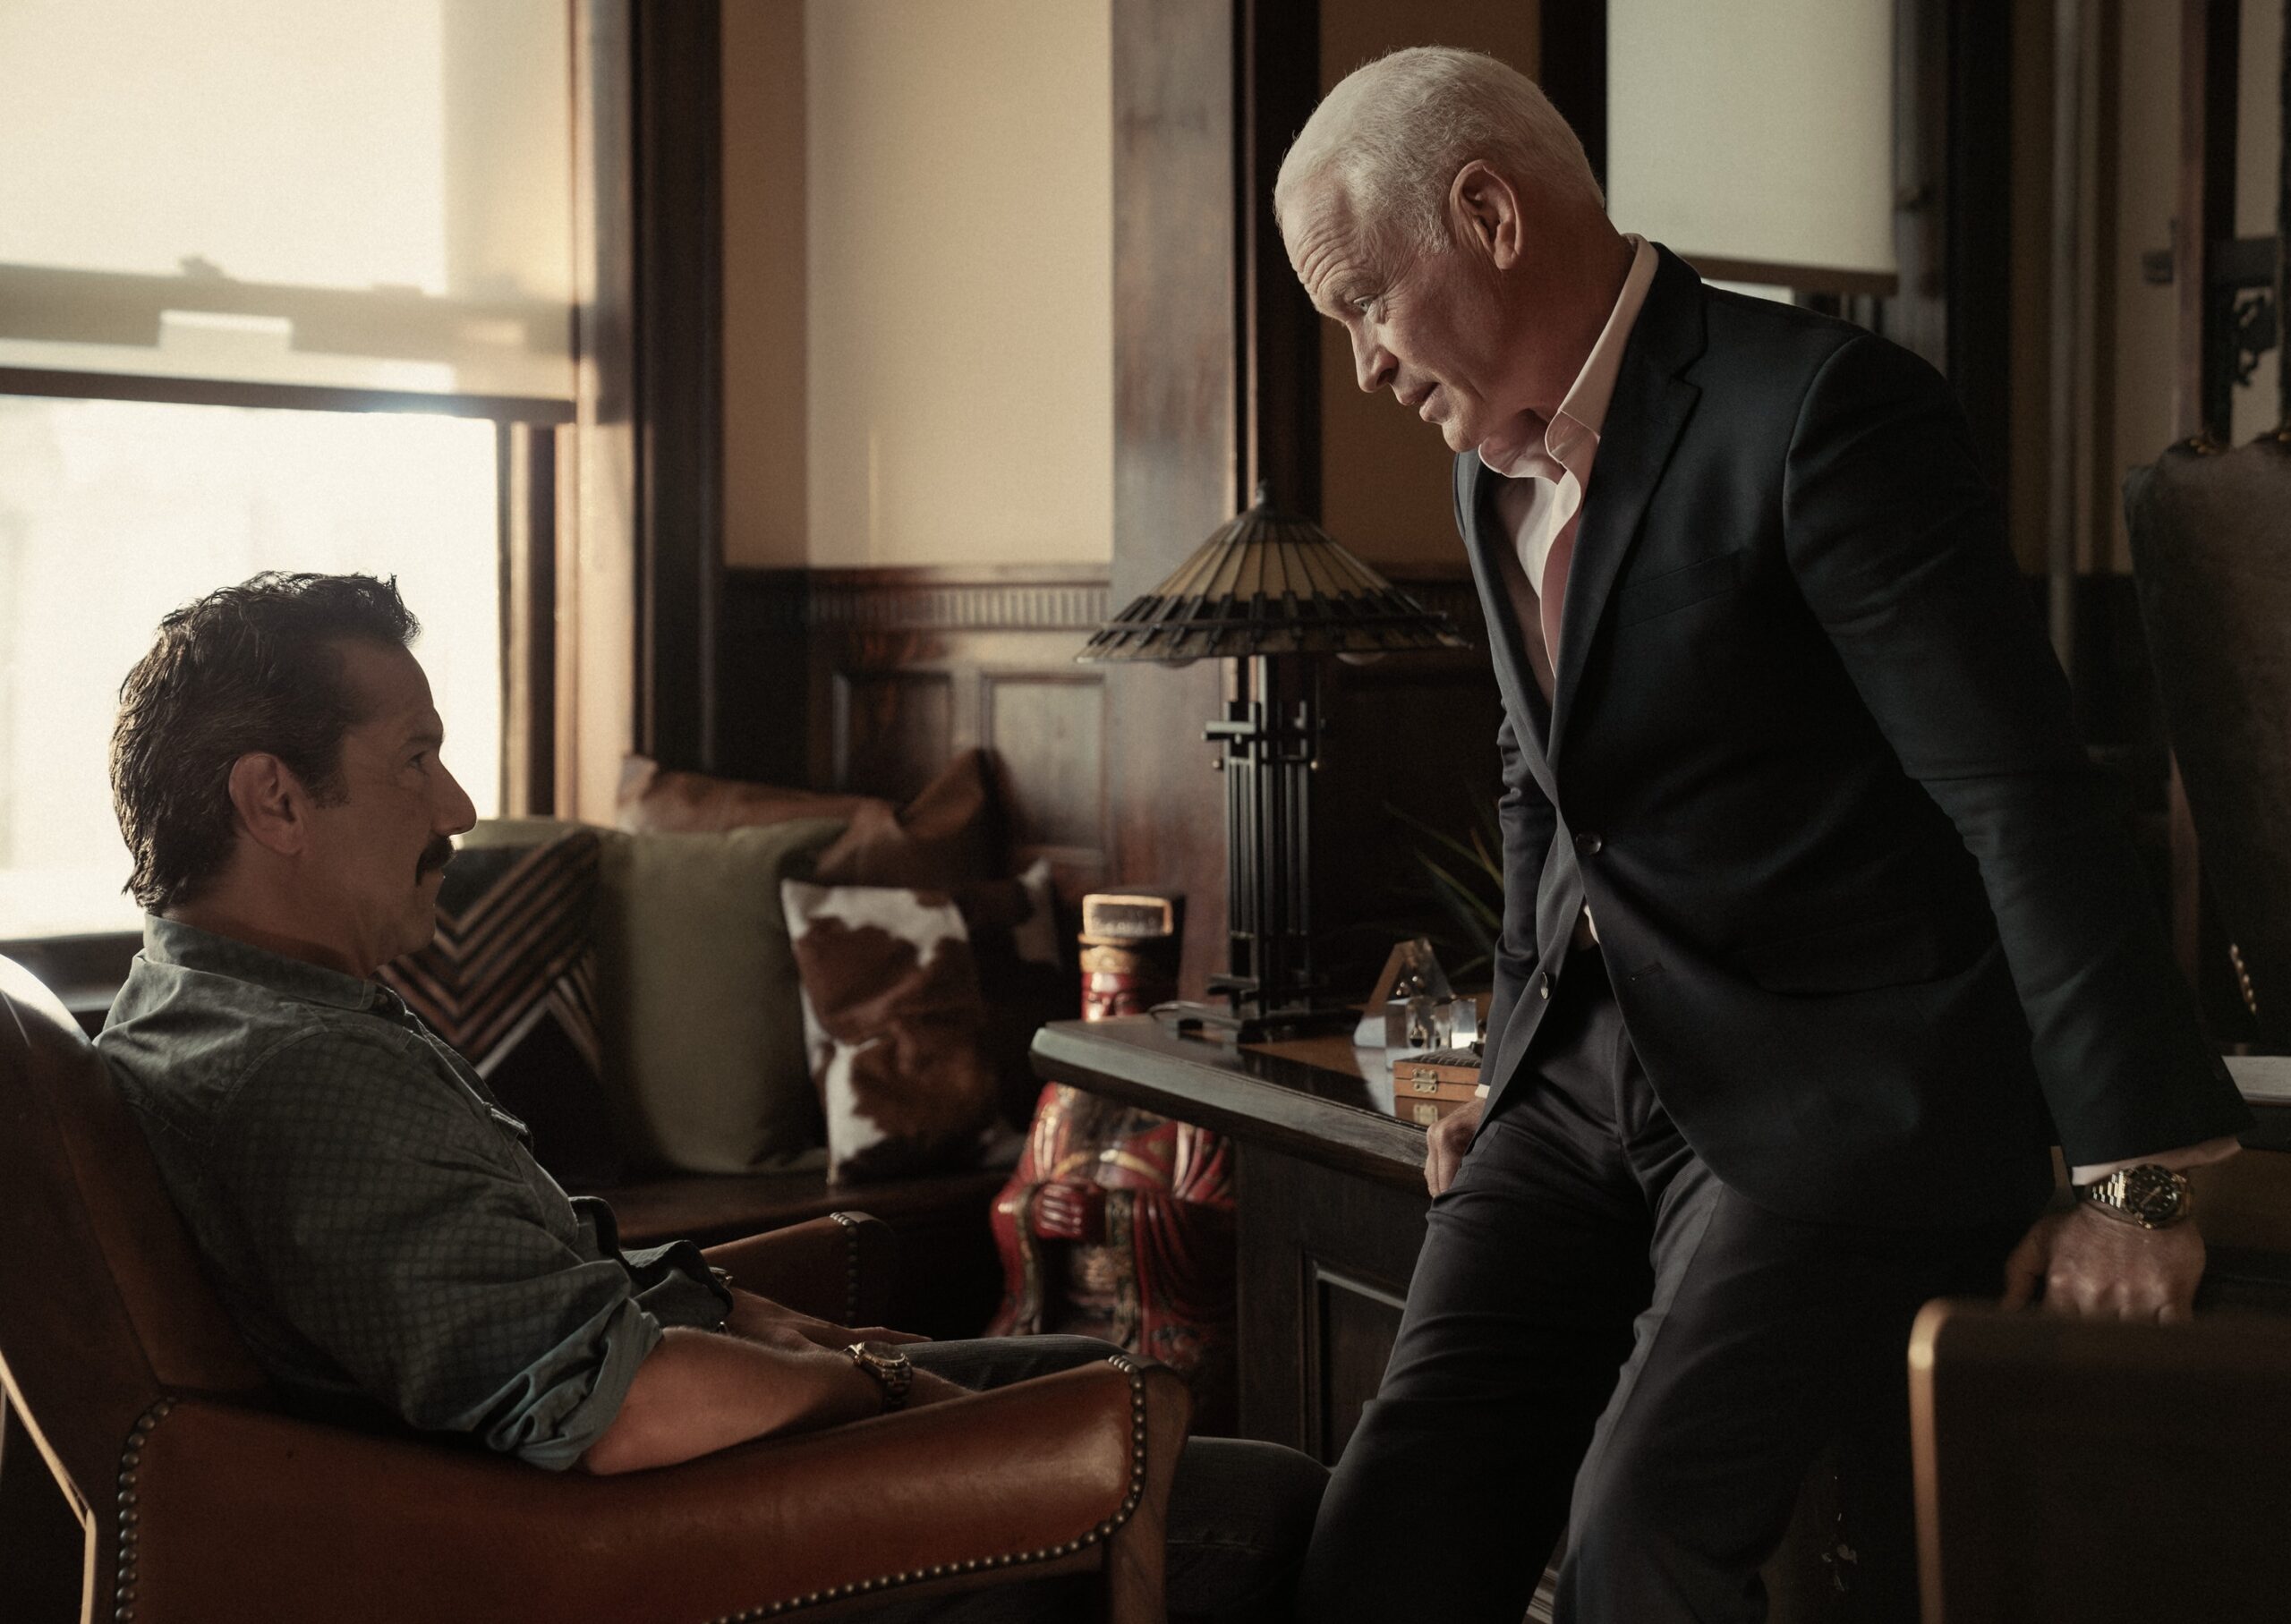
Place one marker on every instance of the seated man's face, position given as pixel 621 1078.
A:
pixel 376 854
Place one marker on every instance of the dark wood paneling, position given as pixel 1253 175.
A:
pixel 1049 730
pixel 1574 72
pixel 870 680
pixel 1354 1324
pixel 1413 734
pixel 1323 1259
pixel 1277 51
pixel 2210 41
pixel 675 110
pixel 893 729
pixel 1977 254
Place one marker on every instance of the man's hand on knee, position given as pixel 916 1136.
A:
pixel 1444 1147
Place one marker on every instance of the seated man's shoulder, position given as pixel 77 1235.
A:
pixel 202 1069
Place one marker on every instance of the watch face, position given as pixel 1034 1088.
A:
pixel 2152 1195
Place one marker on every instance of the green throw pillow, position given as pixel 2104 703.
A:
pixel 699 1005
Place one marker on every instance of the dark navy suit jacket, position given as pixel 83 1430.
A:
pixel 1878 936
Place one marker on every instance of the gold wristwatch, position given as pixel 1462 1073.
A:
pixel 890 1369
pixel 2154 1197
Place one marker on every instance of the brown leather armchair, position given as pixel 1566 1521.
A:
pixel 2078 1469
pixel 199 1499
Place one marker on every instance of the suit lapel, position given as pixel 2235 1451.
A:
pixel 1485 546
pixel 1651 405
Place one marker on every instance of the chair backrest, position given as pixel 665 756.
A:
pixel 103 1306
pixel 2086 1469
pixel 2211 557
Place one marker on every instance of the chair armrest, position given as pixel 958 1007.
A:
pixel 840 1268
pixel 237 1513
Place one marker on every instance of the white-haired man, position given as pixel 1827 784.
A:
pixel 1816 933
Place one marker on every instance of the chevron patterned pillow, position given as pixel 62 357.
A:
pixel 509 980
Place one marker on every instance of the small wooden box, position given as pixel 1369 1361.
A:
pixel 1426 1087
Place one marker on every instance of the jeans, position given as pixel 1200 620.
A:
pixel 1240 1512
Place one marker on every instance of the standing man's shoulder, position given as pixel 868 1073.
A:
pixel 1796 350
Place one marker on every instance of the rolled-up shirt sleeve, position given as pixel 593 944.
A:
pixel 394 1229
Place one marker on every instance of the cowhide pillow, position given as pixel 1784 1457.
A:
pixel 894 1021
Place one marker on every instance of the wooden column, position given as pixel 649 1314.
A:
pixel 676 107
pixel 2203 383
pixel 1216 379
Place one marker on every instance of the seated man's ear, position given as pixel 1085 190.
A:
pixel 271 803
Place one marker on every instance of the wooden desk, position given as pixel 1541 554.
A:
pixel 1333 1202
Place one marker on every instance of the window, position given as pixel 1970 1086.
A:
pixel 112 513
pixel 282 287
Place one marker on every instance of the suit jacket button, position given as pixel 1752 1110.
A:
pixel 1589 846
pixel 1543 983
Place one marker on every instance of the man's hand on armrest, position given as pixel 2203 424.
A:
pixel 697 1392
pixel 2084 1263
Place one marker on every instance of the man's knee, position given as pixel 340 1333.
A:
pixel 1241 1514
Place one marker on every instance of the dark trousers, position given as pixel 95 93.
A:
pixel 1239 1511
pixel 1604 1345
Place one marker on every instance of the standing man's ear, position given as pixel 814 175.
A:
pixel 271 803
pixel 1484 211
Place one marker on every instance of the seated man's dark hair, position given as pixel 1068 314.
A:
pixel 255 667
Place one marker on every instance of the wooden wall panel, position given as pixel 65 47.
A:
pixel 871 680
pixel 893 729
pixel 1049 730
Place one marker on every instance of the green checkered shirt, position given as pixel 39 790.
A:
pixel 371 1216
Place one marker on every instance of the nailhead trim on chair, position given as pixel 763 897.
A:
pixel 131 1460
pixel 851 1283
pixel 1015 1559
pixel 130 1516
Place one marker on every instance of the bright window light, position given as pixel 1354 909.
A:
pixel 113 513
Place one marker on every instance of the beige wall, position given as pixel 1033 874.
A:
pixel 1385 475
pixel 918 303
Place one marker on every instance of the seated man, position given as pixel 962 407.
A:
pixel 371 1218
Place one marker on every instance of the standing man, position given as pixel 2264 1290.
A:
pixel 1817 930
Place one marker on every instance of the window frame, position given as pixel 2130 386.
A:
pixel 82 969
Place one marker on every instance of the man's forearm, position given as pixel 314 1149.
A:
pixel 698 1392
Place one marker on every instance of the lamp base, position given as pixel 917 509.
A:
pixel 1247 1025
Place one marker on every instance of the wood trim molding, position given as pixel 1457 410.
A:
pixel 167 390
pixel 994 598
pixel 1006 598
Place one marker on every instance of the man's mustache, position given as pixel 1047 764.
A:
pixel 435 855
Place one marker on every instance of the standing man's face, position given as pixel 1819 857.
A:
pixel 1482 337
pixel 1429 328
pixel 377 853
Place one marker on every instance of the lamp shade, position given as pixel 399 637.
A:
pixel 1269 583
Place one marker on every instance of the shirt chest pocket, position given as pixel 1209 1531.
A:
pixel 1673 590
